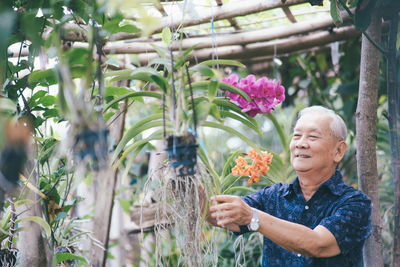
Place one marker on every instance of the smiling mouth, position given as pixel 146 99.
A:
pixel 303 156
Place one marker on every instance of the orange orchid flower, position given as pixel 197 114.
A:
pixel 255 170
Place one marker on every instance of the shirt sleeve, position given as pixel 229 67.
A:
pixel 350 223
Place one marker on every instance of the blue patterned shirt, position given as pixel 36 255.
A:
pixel 343 210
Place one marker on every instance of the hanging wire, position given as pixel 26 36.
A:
pixel 173 99
pixel 192 101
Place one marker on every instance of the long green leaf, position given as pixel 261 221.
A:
pixel 39 221
pixel 201 153
pixel 231 106
pixel 181 59
pixel 228 163
pixel 132 95
pixel 203 85
pixel 337 19
pixel 279 130
pixel 227 62
pixel 139 127
pixel 249 124
pixel 229 182
pixel 154 136
pixel 141 74
pixel 242 189
pixel 230 130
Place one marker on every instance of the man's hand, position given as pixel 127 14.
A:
pixel 229 212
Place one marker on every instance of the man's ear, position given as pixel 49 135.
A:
pixel 341 148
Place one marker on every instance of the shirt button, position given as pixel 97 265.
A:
pixel 298 255
pixel 306 207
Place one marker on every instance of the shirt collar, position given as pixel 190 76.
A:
pixel 333 184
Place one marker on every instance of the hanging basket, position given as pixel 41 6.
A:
pixel 93 144
pixel 182 152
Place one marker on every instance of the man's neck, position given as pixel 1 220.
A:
pixel 309 184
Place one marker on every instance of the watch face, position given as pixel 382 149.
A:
pixel 253 226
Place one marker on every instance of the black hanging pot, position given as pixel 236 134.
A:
pixel 182 152
pixel 93 144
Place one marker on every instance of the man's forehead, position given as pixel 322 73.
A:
pixel 313 122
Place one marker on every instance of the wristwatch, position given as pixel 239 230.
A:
pixel 254 223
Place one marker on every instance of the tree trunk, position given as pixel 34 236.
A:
pixel 366 137
pixel 105 180
pixel 31 244
pixel 393 92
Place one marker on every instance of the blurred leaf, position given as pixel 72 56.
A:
pixel 125 205
pixel 214 62
pixel 116 91
pixel 166 36
pixel 215 112
pixel 42 77
pixel 241 119
pixel 132 95
pixel 230 130
pixel 335 14
pixel 203 69
pixel 65 256
pixel 212 90
pixel 39 221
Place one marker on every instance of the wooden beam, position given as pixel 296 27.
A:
pixel 227 11
pixel 283 46
pixel 242 38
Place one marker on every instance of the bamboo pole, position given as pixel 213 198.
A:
pixel 283 46
pixel 232 10
pixel 242 38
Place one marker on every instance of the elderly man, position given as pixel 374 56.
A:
pixel 316 220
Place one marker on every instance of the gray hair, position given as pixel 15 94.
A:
pixel 338 126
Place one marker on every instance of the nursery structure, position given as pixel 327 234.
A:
pixel 110 87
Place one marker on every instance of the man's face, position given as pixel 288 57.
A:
pixel 313 148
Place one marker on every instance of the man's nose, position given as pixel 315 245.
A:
pixel 302 143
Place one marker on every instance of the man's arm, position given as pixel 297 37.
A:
pixel 231 211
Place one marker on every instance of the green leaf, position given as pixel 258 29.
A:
pixel 60 216
pixel 42 77
pixel 240 190
pixel 48 100
pixel 166 36
pixel 125 205
pixel 65 256
pixel 229 161
pixel 230 130
pixel 203 69
pixel 215 112
pixel 160 81
pixel 212 90
pixel 337 19
pixel 180 60
pixel 226 104
pixel 227 62
pixel 39 221
pixel 160 61
pixel 142 125
pixel 202 111
pixel 141 74
pixel 116 91
pixel 241 119
pixel 132 95
pixel 224 86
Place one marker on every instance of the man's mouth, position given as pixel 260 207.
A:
pixel 302 156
